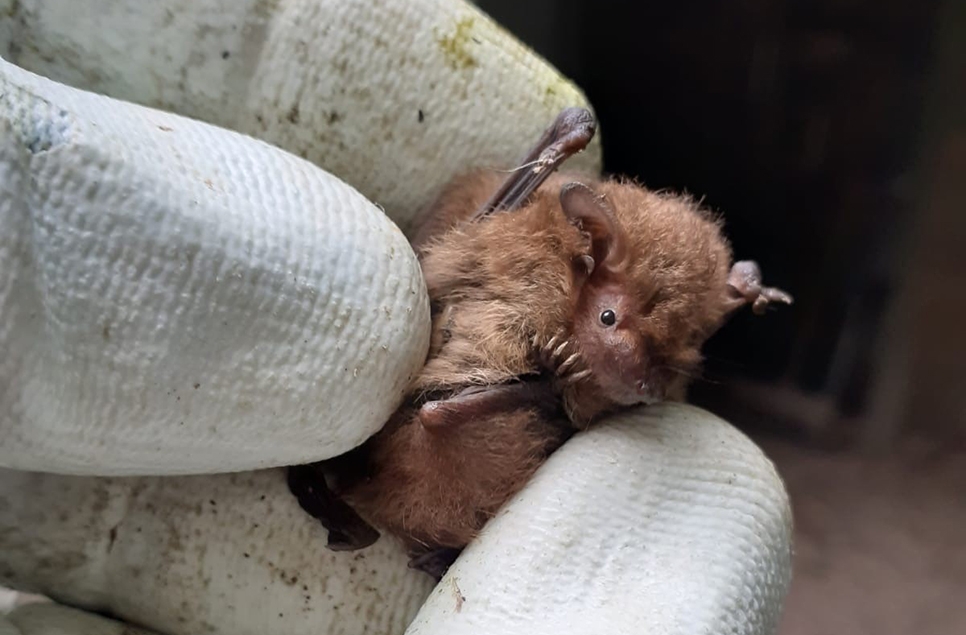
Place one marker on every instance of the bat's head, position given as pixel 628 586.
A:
pixel 658 283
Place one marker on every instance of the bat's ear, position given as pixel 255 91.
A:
pixel 744 287
pixel 594 216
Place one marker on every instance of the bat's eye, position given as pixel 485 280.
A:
pixel 608 318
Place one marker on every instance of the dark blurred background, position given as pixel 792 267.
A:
pixel 831 134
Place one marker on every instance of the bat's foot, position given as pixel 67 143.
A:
pixel 347 530
pixel 560 357
pixel 435 562
pixel 744 283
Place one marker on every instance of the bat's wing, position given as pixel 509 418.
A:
pixel 434 562
pixel 477 402
pixel 570 133
pixel 347 530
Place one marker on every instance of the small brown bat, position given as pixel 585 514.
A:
pixel 556 299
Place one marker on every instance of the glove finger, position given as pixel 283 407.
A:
pixel 47 618
pixel 178 298
pixel 230 553
pixel 394 97
pixel 663 520
pixel 7 627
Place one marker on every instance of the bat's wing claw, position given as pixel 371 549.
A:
pixel 744 284
pixel 588 263
pixel 774 294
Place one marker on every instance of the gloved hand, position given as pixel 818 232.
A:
pixel 180 304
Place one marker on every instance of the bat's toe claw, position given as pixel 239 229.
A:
pixel 568 364
pixel 577 377
pixel 559 351
pixel 550 345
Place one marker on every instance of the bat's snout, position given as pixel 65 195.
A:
pixel 649 393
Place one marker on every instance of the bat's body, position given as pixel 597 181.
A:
pixel 555 299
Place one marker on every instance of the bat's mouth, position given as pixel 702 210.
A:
pixel 638 392
pixel 647 394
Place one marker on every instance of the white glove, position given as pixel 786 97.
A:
pixel 142 253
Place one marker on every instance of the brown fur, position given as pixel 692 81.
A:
pixel 501 289
pixel 492 294
pixel 674 290
pixel 437 488
pixel 505 283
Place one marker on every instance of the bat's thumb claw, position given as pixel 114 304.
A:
pixel 767 296
pixel 774 294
